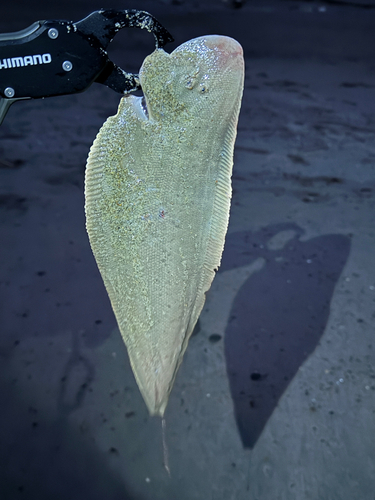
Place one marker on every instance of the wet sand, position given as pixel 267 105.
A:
pixel 275 397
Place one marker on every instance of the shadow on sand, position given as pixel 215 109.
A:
pixel 278 315
pixel 42 459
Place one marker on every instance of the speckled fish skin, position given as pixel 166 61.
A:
pixel 158 191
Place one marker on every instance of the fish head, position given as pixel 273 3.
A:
pixel 190 81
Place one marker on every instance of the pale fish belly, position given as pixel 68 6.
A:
pixel 157 200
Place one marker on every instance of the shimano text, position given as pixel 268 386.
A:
pixel 17 62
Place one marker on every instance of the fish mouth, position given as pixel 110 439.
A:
pixel 139 105
pixel 144 106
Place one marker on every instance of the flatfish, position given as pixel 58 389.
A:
pixel 157 200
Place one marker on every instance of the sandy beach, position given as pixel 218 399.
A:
pixel 275 398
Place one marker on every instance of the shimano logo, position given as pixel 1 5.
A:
pixel 17 62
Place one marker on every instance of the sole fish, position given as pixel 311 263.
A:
pixel 157 200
